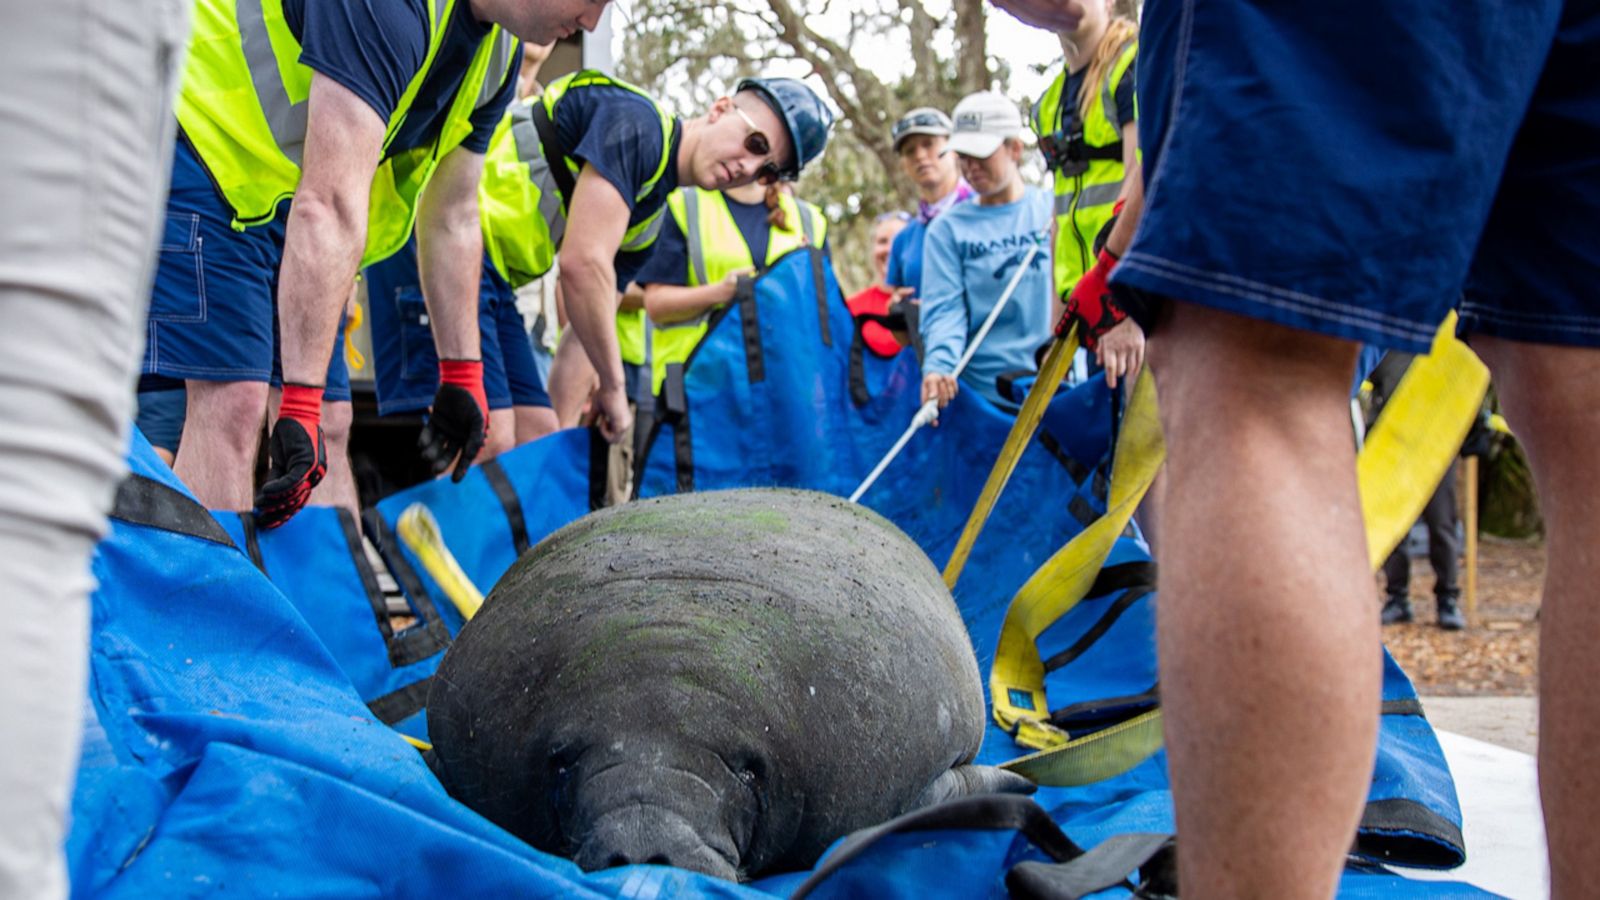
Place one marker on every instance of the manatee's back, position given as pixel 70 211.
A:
pixel 791 621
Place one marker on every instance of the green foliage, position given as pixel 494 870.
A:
pixel 689 53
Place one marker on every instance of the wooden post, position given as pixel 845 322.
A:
pixel 1470 520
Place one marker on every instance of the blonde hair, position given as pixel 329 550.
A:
pixel 1119 31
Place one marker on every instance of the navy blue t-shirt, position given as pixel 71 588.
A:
pixel 669 264
pixel 1122 96
pixel 618 133
pixel 375 48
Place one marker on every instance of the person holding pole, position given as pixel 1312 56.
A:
pixel 972 251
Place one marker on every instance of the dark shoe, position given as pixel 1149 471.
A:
pixel 1396 610
pixel 1450 617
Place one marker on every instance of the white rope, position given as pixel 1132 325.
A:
pixel 930 410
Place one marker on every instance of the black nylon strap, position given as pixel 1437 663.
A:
pixel 1409 706
pixel 1107 709
pixel 1077 471
pixel 429 635
pixel 1123 576
pixel 859 395
pixel 400 705
pixel 1083 643
pixel 145 501
pixel 989 812
pixel 1406 832
pixel 555 152
pixel 599 457
pixel 683 454
pixel 820 285
pixel 252 540
pixel 410 646
pixel 912 312
pixel 506 493
pixel 750 320
pixel 1106 865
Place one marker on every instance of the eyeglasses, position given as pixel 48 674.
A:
pixel 756 143
pixel 896 215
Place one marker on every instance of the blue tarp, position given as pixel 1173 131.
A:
pixel 229 744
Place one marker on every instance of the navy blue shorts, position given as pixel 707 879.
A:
pixel 160 416
pixel 212 306
pixel 1358 171
pixel 405 361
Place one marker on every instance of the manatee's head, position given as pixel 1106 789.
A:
pixel 614 742
pixel 665 799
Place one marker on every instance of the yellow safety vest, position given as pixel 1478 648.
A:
pixel 1084 201
pixel 242 105
pixel 716 248
pixel 523 212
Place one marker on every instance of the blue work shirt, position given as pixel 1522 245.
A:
pixel 375 47
pixel 617 132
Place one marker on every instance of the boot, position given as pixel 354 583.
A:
pixel 1450 616
pixel 1396 609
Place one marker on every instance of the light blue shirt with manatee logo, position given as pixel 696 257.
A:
pixel 970 256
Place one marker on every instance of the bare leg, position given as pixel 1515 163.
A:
pixel 502 433
pixel 338 487
pixel 534 422
pixel 1270 672
pixel 221 434
pixel 572 380
pixel 1551 397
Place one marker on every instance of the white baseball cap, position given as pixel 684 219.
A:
pixel 982 123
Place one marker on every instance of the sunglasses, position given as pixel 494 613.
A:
pixel 756 144
pixel 921 120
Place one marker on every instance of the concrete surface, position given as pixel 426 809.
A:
pixel 1500 820
pixel 1510 722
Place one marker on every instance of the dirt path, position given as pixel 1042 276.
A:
pixel 1496 655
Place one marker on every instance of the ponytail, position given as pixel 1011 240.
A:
pixel 1119 31
pixel 776 216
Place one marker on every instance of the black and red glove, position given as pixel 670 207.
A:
pixel 458 422
pixel 296 456
pixel 1090 303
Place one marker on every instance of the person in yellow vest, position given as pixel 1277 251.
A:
pixel 584 172
pixel 349 107
pixel 714 243
pixel 1088 131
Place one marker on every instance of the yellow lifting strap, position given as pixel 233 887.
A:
pixel 420 531
pixel 1403 459
pixel 418 743
pixel 1056 363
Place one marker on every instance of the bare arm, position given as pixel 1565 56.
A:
pixel 668 303
pixel 327 227
pixel 1132 195
pixel 450 253
pixel 596 223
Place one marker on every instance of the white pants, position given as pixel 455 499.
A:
pixel 86 123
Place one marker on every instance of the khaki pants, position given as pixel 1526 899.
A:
pixel 87 126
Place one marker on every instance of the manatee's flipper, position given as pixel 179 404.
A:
pixel 967 781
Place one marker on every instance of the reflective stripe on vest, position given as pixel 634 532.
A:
pixel 398 182
pixel 524 216
pixel 252 139
pixel 1083 203
pixel 716 247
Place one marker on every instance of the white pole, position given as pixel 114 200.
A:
pixel 930 410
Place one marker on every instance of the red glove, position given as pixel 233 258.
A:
pixel 296 456
pixel 1091 305
pixel 458 422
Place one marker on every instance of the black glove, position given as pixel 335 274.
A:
pixel 297 460
pixel 455 431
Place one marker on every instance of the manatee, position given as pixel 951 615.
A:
pixel 724 682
